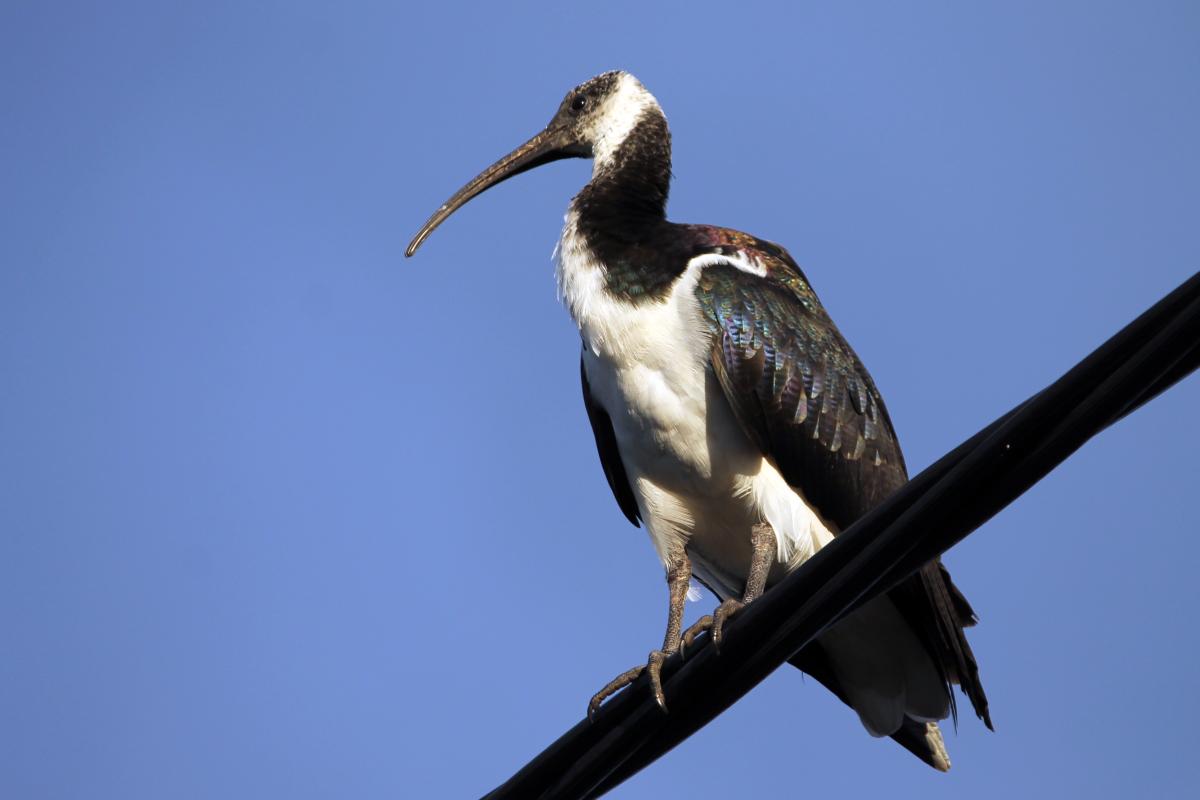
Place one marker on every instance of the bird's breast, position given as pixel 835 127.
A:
pixel 647 365
pixel 649 369
pixel 697 476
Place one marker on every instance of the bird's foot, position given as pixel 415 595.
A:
pixel 653 665
pixel 714 623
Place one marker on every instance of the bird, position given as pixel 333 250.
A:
pixel 732 418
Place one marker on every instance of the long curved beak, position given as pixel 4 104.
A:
pixel 551 144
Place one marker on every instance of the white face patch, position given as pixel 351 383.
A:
pixel 617 119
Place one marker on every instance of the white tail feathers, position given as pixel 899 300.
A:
pixel 884 670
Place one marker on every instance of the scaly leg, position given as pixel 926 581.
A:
pixel 762 542
pixel 679 575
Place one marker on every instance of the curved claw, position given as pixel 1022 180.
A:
pixel 698 627
pixel 714 623
pixel 612 687
pixel 653 664
pixel 654 667
pixel 724 611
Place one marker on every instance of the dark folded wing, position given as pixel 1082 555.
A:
pixel 805 399
pixel 799 391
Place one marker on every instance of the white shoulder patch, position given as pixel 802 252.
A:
pixel 741 260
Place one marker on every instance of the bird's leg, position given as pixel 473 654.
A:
pixel 762 542
pixel 679 575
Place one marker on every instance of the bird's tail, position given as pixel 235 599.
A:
pixel 953 615
pixel 922 739
pixel 885 669
pixel 893 685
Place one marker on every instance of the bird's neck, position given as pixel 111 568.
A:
pixel 627 195
pixel 621 213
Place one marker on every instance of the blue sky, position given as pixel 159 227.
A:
pixel 282 514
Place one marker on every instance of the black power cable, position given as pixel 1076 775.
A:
pixel 921 520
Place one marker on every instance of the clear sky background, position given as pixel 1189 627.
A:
pixel 285 515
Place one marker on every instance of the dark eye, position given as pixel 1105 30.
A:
pixel 579 102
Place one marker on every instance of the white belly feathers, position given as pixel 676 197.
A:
pixel 699 481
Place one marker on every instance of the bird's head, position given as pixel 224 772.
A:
pixel 592 121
